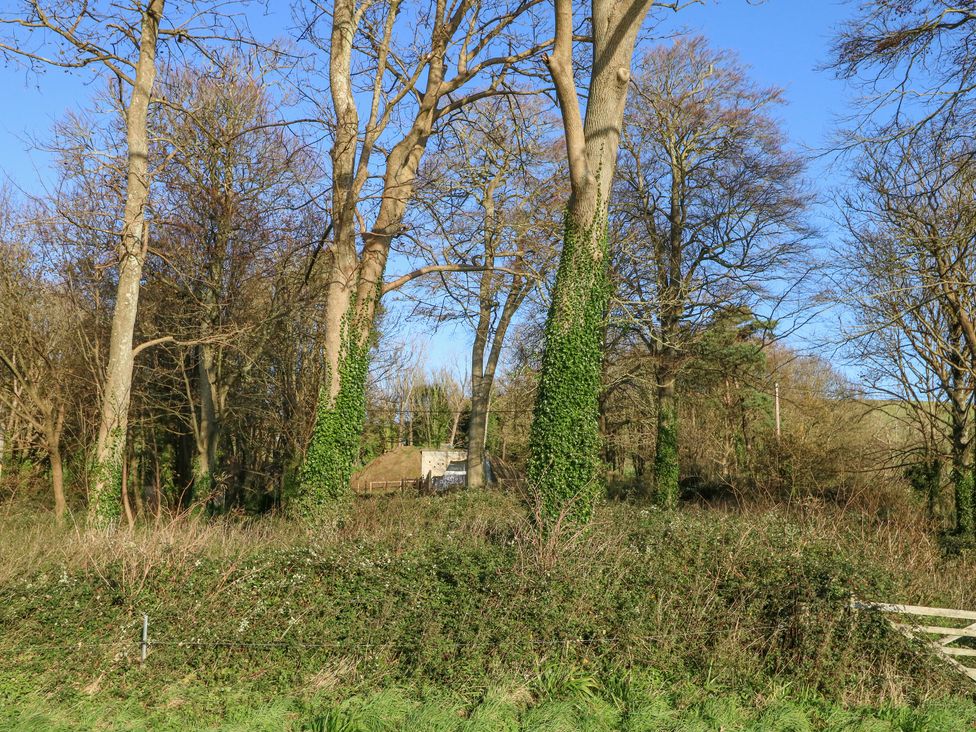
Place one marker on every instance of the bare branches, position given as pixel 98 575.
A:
pixel 432 268
pixel 560 64
pixel 917 62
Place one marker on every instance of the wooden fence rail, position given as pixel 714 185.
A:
pixel 943 646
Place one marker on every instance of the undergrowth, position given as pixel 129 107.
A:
pixel 430 613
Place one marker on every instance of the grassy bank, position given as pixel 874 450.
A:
pixel 446 613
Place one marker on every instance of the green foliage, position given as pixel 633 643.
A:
pixel 925 477
pixel 105 491
pixel 323 480
pixel 500 709
pixel 203 480
pixel 422 613
pixel 963 483
pixel 564 464
pixel 666 456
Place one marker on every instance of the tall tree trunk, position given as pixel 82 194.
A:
pixel 137 479
pixel 482 371
pixel 52 427
pixel 670 293
pixel 126 505
pixel 357 281
pixel 962 451
pixel 564 465
pixel 57 467
pixel 477 430
pixel 666 469
pixel 57 480
pixel 103 498
pixel 483 381
pixel 207 432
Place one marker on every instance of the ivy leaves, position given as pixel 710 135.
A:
pixel 564 467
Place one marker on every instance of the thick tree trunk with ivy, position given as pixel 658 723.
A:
pixel 564 466
pixel 104 498
pixel 666 471
pixel 340 415
pixel 351 304
pixel 565 441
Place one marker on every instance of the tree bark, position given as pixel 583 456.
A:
pixel 57 480
pixel 137 478
pixel 477 432
pixel 962 451
pixel 482 372
pixel 357 281
pixel 483 381
pixel 564 466
pixel 670 286
pixel 666 468
pixel 126 505
pixel 103 500
pixel 207 432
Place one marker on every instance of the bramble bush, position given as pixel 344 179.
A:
pixel 433 605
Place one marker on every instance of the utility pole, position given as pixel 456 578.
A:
pixel 776 391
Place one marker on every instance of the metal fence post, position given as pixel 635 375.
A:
pixel 145 636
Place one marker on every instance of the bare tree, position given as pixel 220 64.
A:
pixel 231 218
pixel 918 58
pixel 707 215
pixel 421 63
pixel 41 346
pixel 121 43
pixel 911 263
pixel 487 200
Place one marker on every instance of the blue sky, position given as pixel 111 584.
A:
pixel 783 41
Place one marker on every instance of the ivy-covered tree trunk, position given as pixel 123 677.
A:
pixel 105 492
pixel 666 443
pixel 354 293
pixel 323 481
pixel 564 467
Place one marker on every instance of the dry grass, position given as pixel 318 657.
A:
pixel 29 543
pixel 906 545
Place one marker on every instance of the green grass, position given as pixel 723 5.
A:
pixel 649 705
pixel 447 614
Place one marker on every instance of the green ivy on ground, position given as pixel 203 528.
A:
pixel 564 466
pixel 255 626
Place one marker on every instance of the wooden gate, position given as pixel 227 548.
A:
pixel 941 638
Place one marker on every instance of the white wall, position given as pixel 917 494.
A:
pixel 435 462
